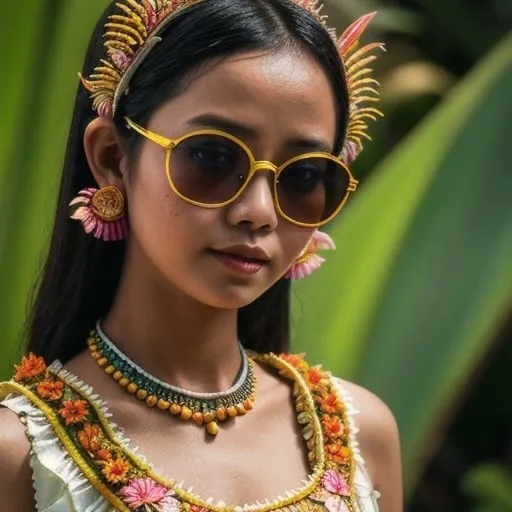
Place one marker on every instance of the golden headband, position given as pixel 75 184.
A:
pixel 132 33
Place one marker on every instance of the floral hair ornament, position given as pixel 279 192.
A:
pixel 308 261
pixel 132 33
pixel 101 212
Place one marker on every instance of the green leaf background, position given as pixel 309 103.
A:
pixel 409 304
pixel 38 104
pixel 422 278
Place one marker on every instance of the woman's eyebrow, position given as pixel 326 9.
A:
pixel 218 122
pixel 222 123
pixel 311 143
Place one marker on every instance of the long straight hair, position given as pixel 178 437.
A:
pixel 81 274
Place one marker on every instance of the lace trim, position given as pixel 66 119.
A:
pixel 55 476
pixel 118 437
pixel 68 444
pixel 308 484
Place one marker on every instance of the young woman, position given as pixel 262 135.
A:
pixel 202 159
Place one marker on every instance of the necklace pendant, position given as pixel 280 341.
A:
pixel 212 428
pixel 203 409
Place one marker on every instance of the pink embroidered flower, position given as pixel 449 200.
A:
pixel 309 260
pixel 103 107
pixel 334 482
pixel 121 60
pixel 101 213
pixel 144 491
pixel 350 152
pixel 152 16
pixel 350 37
pixel 336 504
pixel 169 504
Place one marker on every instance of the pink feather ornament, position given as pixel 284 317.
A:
pixel 101 213
pixel 309 261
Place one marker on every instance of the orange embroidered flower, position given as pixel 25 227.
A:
pixel 338 453
pixel 90 437
pixel 30 366
pixel 74 411
pixel 296 360
pixel 330 403
pixel 332 425
pixel 116 470
pixel 50 389
pixel 314 375
pixel 197 508
pixel 317 379
pixel 103 455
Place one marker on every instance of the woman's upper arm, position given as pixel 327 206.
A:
pixel 380 446
pixel 15 473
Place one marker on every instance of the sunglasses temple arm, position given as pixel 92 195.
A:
pixel 160 140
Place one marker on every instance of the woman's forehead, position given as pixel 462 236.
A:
pixel 280 90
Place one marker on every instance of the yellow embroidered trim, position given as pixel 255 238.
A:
pixel 318 399
pixel 310 374
pixel 354 501
pixel 277 362
pixel 184 495
pixel 12 387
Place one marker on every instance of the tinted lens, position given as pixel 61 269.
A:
pixel 311 189
pixel 209 168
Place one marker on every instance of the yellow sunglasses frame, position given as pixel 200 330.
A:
pixel 255 166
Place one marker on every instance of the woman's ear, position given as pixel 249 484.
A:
pixel 105 155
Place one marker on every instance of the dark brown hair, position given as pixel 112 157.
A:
pixel 81 274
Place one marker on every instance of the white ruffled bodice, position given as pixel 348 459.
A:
pixel 60 485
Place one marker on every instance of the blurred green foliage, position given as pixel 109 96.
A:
pixel 38 104
pixel 491 485
pixel 422 278
pixel 411 302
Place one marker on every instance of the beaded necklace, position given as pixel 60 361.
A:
pixel 120 474
pixel 206 409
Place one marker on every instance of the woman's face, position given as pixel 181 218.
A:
pixel 281 105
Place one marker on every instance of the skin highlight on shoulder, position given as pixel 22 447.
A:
pixel 15 471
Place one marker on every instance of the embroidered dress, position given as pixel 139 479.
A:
pixel 82 462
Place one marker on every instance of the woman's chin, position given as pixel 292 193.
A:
pixel 230 296
pixel 230 301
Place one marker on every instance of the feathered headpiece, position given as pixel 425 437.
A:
pixel 132 33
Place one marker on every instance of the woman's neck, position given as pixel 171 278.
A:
pixel 172 336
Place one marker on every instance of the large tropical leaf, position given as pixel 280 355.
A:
pixel 19 66
pixel 423 276
pixel 40 99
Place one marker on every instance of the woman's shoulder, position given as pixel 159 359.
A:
pixel 36 466
pixel 378 440
pixel 15 470
pixel 375 419
pixel 14 444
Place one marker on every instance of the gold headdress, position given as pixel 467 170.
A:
pixel 132 33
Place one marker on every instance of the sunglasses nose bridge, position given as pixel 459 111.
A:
pixel 264 165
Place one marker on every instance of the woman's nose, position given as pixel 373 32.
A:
pixel 255 207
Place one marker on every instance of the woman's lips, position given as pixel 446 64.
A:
pixel 238 263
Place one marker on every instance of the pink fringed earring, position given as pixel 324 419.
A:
pixel 101 212
pixel 308 260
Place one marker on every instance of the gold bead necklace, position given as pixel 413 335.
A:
pixel 204 409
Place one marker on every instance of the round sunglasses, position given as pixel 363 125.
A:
pixel 212 168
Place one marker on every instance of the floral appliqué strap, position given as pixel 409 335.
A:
pixel 130 484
